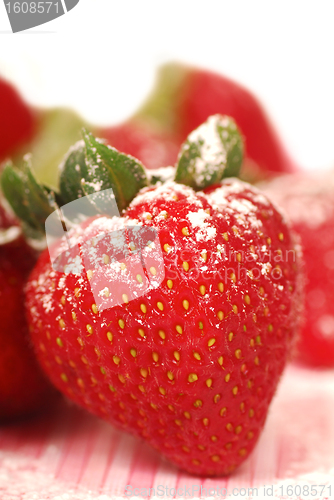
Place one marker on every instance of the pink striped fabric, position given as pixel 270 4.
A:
pixel 70 455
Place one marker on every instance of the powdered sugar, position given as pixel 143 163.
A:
pixel 226 198
pixel 163 173
pixel 167 191
pixel 199 221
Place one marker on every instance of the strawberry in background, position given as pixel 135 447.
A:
pixel 23 388
pixel 17 120
pixel 182 99
pixel 308 200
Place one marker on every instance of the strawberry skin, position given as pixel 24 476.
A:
pixel 192 365
pixel 309 202
pixel 23 387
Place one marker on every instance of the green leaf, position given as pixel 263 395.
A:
pixel 108 168
pixel 31 202
pixel 40 203
pixel 234 144
pixel 12 185
pixel 72 170
pixel 212 151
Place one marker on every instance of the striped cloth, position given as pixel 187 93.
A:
pixel 71 455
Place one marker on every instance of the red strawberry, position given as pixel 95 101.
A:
pixel 17 121
pixel 309 202
pixel 23 387
pixel 191 362
pixel 183 98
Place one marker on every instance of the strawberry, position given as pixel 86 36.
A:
pixel 184 97
pixel 174 321
pixel 23 387
pixel 308 200
pixel 17 121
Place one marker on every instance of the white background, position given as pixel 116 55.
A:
pixel 100 58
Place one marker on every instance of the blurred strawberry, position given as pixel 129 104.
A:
pixel 309 202
pixel 23 388
pixel 17 120
pixel 185 97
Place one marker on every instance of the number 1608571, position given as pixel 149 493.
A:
pixel 32 7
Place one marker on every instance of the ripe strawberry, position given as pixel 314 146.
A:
pixel 184 97
pixel 23 387
pixel 188 353
pixel 17 121
pixel 309 202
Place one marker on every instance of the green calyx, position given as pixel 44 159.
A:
pixel 89 167
pixel 31 201
pixel 211 152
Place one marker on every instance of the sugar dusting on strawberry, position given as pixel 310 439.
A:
pixel 173 322
pixel 192 365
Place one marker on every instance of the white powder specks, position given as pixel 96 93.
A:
pixel 74 266
pixel 163 173
pixel 167 191
pixel 246 212
pixel 198 220
pixel 266 267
